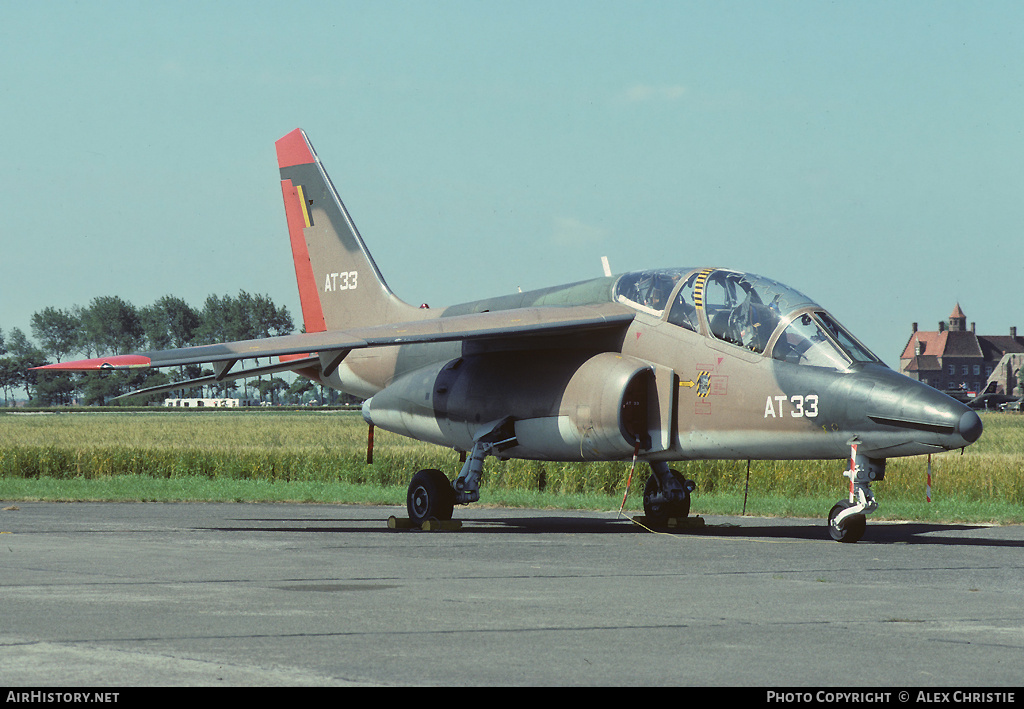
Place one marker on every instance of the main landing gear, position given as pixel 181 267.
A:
pixel 848 518
pixel 432 496
pixel 666 495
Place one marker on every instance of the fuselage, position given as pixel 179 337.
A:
pixel 735 366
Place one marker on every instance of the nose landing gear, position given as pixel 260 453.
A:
pixel 848 518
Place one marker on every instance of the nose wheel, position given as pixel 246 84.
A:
pixel 851 528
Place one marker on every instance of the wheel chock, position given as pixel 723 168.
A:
pixel 445 525
pixel 430 525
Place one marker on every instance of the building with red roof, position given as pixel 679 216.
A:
pixel 957 360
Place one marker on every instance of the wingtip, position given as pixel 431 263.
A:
pixel 100 363
pixel 294 149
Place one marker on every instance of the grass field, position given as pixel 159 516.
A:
pixel 320 456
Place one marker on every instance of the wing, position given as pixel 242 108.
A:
pixel 327 349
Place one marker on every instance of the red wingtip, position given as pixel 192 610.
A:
pixel 293 150
pixel 114 362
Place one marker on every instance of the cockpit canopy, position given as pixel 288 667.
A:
pixel 745 310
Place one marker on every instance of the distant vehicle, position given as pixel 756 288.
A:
pixel 658 365
pixel 1015 405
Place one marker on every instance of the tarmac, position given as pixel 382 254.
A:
pixel 287 595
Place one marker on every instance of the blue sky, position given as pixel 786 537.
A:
pixel 869 154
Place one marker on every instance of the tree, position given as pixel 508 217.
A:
pixel 56 389
pixel 217 320
pixel 98 389
pixel 23 355
pixel 245 317
pixel 58 331
pixel 170 322
pixel 273 386
pixel 258 317
pixel 268 320
pixel 111 326
pixel 9 374
pixel 298 390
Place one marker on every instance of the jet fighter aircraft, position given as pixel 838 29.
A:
pixel 662 365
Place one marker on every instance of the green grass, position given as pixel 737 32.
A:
pixel 315 456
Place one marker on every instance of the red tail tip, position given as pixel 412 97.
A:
pixel 293 150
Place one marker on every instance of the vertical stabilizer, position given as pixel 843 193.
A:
pixel 339 284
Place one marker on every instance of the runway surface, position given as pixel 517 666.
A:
pixel 98 594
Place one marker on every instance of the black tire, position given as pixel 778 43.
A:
pixel 853 526
pixel 430 496
pixel 657 509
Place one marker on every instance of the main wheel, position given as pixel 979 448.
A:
pixel 852 528
pixel 430 496
pixel 657 508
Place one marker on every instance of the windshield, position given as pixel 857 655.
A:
pixel 817 340
pixel 805 342
pixel 851 346
pixel 745 310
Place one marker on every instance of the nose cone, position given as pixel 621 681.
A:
pixel 970 426
pixel 906 417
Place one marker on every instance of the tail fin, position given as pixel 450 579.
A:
pixel 339 284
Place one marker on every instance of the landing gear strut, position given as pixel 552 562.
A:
pixel 848 518
pixel 666 495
